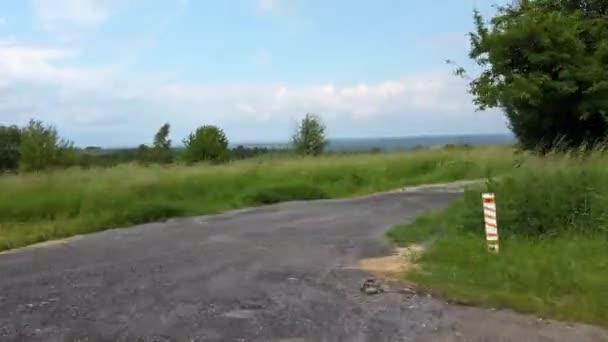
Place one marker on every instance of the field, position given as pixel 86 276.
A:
pixel 552 212
pixel 46 206
pixel 553 225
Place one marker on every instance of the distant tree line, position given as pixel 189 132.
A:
pixel 38 147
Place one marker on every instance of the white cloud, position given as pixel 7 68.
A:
pixel 97 103
pixel 84 13
pixel 69 19
pixel 44 65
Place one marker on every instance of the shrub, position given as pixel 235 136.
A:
pixel 544 204
pixel 42 148
pixel 207 143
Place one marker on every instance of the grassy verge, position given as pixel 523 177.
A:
pixel 553 222
pixel 40 207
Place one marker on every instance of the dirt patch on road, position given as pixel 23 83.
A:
pixel 392 266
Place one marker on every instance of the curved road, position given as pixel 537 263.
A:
pixel 278 273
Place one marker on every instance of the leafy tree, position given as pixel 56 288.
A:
pixel 42 148
pixel 310 138
pixel 161 151
pixel 207 143
pixel 545 63
pixel 10 139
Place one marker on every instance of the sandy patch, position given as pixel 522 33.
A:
pixel 392 266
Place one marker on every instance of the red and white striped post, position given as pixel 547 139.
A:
pixel 489 212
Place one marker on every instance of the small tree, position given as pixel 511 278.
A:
pixel 10 139
pixel 161 151
pixel 41 148
pixel 207 143
pixel 310 138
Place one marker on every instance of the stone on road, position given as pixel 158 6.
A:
pixel 279 273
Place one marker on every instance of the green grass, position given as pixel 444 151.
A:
pixel 40 207
pixel 553 225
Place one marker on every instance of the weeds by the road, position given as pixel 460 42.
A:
pixel 39 207
pixel 553 225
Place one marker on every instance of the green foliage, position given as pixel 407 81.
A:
pixel 553 226
pixel 421 231
pixel 309 138
pixel 545 205
pixel 10 140
pixel 545 63
pixel 42 148
pixel 161 138
pixel 207 143
pixel 161 150
pixel 562 277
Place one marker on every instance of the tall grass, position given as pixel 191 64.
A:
pixel 39 207
pixel 553 225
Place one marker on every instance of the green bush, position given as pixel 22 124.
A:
pixel 544 203
pixel 207 143
pixel 42 148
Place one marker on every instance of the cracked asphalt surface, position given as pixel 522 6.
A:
pixel 279 273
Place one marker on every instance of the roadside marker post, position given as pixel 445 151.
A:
pixel 491 224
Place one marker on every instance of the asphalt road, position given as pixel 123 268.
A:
pixel 279 273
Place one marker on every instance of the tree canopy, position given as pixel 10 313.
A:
pixel 207 143
pixel 42 148
pixel 545 63
pixel 161 151
pixel 309 137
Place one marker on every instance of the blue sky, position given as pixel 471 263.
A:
pixel 110 72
